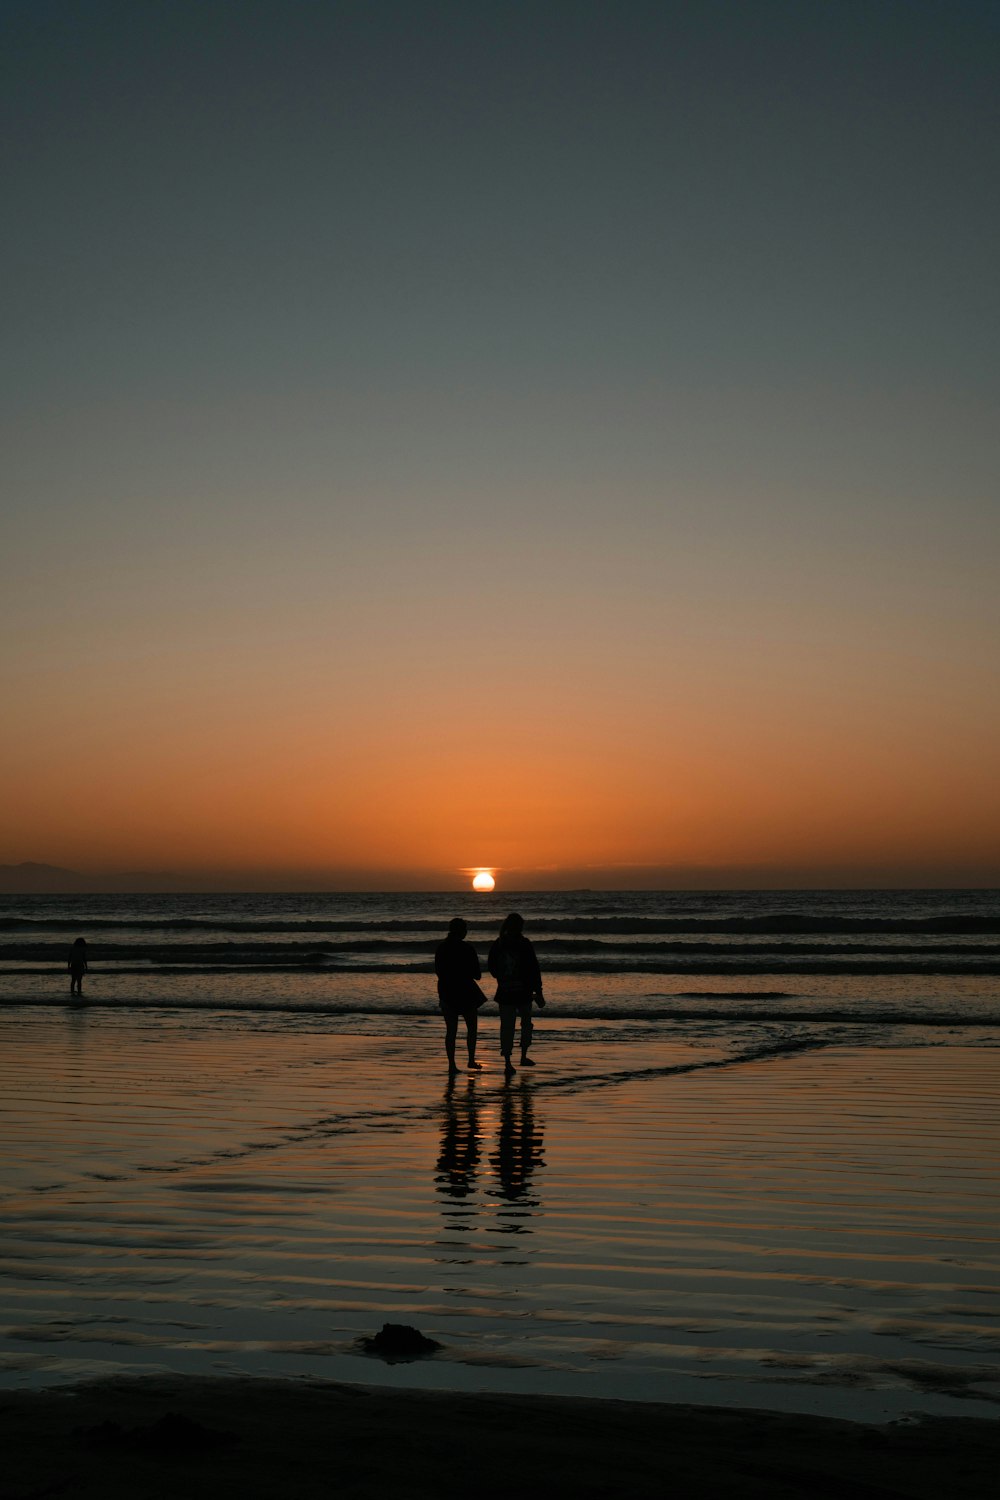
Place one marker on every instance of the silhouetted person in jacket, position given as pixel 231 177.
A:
pixel 514 966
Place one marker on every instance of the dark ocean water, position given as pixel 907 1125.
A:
pixel 904 955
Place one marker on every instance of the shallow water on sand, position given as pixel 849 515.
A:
pixel 799 1216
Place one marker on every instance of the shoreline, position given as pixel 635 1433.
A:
pixel 162 1435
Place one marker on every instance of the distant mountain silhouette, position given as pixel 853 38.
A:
pixel 26 878
pixel 32 879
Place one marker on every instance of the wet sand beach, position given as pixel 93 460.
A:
pixel 794 1218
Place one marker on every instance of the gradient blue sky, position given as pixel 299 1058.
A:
pixel 558 437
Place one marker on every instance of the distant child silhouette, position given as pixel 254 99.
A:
pixel 456 964
pixel 519 981
pixel 77 967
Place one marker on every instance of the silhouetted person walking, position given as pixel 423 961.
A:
pixel 456 964
pixel 514 966
pixel 77 967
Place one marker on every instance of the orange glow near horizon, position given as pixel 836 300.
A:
pixel 483 881
pixel 219 788
pixel 740 736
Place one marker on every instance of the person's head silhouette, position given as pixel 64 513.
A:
pixel 513 927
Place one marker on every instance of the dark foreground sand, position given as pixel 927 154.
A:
pixel 186 1438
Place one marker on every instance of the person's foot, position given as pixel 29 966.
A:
pixel 452 1071
pixel 509 1069
pixel 475 1067
pixel 526 1062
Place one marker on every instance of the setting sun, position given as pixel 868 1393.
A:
pixel 483 881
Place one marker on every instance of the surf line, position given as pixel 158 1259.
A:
pixel 399 1119
pixel 772 1050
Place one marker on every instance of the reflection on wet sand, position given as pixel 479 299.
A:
pixel 460 1130
pixel 518 1150
pixel 806 1230
pixel 467 1120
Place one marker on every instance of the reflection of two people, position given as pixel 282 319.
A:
pixel 516 1154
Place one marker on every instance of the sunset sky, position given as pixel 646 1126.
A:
pixel 555 437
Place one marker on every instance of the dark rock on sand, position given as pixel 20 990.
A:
pixel 399 1341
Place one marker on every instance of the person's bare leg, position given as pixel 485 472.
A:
pixel 471 1032
pixel 450 1034
pixel 527 1031
pixel 508 1016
